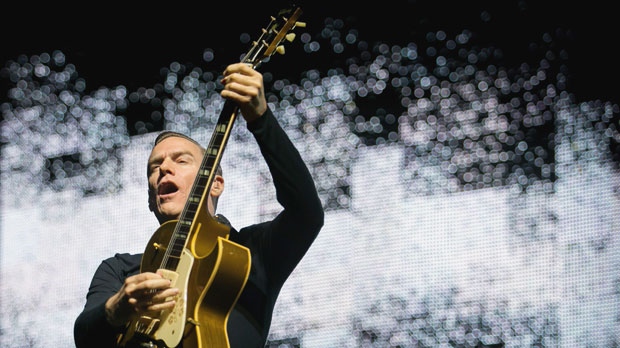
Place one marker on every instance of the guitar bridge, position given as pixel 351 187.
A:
pixel 147 325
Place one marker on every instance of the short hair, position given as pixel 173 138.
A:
pixel 169 134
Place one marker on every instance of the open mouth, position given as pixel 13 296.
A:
pixel 166 188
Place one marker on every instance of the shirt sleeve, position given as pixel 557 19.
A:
pixel 286 239
pixel 91 329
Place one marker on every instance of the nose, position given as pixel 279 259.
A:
pixel 166 167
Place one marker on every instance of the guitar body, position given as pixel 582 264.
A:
pixel 210 275
pixel 215 300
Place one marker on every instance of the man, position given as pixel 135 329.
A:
pixel 118 290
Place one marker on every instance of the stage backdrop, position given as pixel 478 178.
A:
pixel 468 203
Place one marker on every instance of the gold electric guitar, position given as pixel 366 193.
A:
pixel 194 252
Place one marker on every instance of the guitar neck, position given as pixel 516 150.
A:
pixel 197 200
pixel 269 43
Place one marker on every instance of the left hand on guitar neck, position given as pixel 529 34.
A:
pixel 244 85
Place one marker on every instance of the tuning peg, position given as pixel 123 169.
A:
pixel 280 49
pixel 290 37
pixel 300 24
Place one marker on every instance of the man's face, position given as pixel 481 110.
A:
pixel 172 169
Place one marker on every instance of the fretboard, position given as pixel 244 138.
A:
pixel 202 184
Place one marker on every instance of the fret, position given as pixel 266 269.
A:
pixel 172 262
pixel 221 128
pixel 184 222
pixel 204 172
pixel 178 249
pixel 199 185
pixel 213 152
pixel 193 204
pixel 180 238
pixel 179 244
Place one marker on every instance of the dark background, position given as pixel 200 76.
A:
pixel 127 43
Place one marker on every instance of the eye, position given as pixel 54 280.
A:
pixel 153 168
pixel 184 159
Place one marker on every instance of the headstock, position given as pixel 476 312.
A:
pixel 270 41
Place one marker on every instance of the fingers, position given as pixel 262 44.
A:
pixel 145 282
pixel 150 292
pixel 140 293
pixel 241 83
pixel 240 68
pixel 244 85
pixel 155 300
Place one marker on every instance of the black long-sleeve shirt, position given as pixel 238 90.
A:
pixel 276 248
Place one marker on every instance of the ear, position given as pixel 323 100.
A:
pixel 217 187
